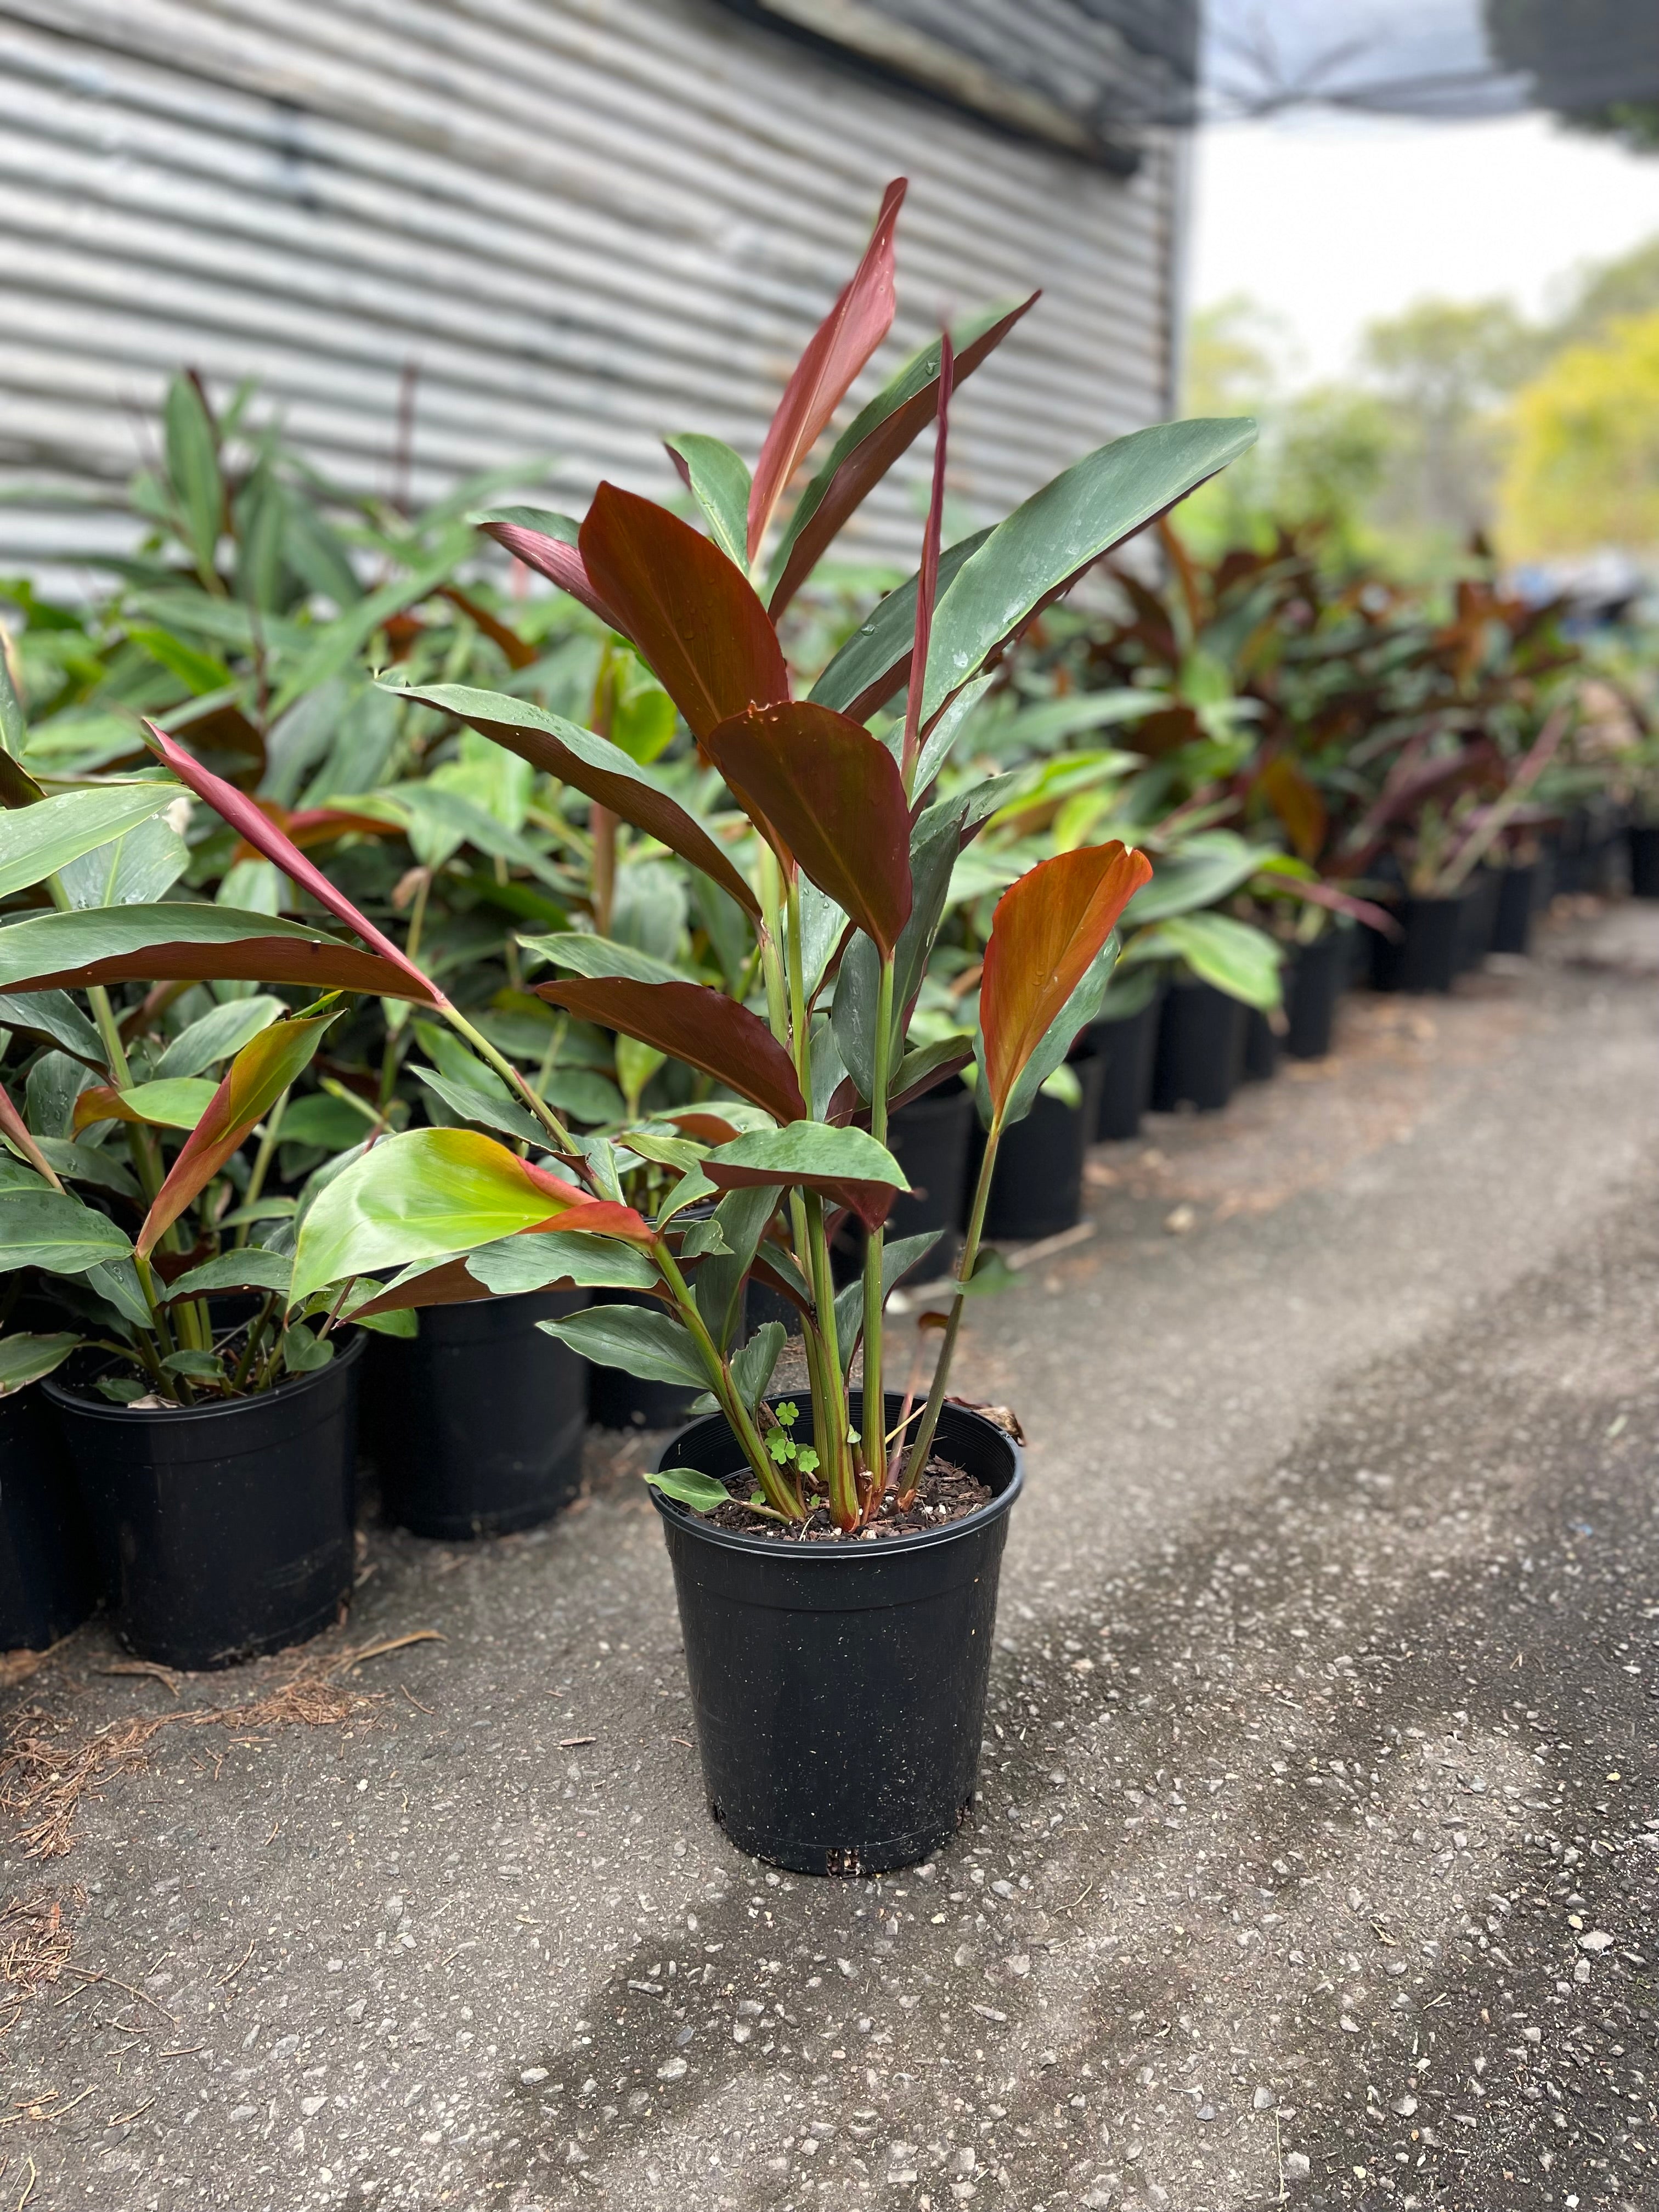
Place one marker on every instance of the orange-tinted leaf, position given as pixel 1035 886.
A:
pixel 253 1082
pixel 689 1022
pixel 697 1121
pixel 836 351
pixel 831 796
pixel 691 612
pixel 1047 931
pixel 243 814
pixel 1298 806
pixel 872 1201
pixel 446 1284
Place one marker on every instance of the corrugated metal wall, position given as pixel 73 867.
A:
pixel 588 222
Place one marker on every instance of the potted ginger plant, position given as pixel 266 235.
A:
pixel 835 1549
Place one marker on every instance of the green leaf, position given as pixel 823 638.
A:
pixel 117 1281
pixel 808 1152
pixel 176 940
pixel 87 1163
pixel 51 1229
pixel 25 1359
pixel 1207 867
pixel 423 1195
pixel 938 743
pixel 302 1352
pixel 251 1268
pixel 199 672
pixel 1061 530
pixel 869 667
pixel 700 1492
pixel 35 841
pixel 581 954
pixel 720 484
pixel 199 1366
pixel 177 1102
pixel 717 1287
pixel 991 1274
pixel 580 1094
pixel 338 643
pixel 53 1014
pixel 1241 961
pixel 321 1120
pixel 193 469
pixel 540 1257
pixel 648 1344
pixel 752 1368
pixel 219 1034
pixel 478 1101
pixel 137 868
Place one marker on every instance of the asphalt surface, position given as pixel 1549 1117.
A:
pixel 1318 1851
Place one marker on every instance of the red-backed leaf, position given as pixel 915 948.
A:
pixel 832 794
pixel 445 1285
pixel 596 768
pixel 253 1082
pixel 861 457
pixel 771 1280
pixel 691 612
pixel 1047 931
pixel 518 652
pixel 243 814
pixel 836 351
pixel 17 1130
pixel 1297 804
pixel 870 1202
pixel 321 825
pixel 558 559
pixel 689 1022
pixel 178 949
pixel 927 574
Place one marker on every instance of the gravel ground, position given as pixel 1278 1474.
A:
pixel 1317 1856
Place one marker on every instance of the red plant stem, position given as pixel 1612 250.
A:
pixel 927 577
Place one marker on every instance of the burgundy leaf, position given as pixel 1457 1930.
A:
pixel 691 612
pixel 689 1022
pixel 244 815
pixel 847 481
pixel 836 351
pixel 561 564
pixel 833 795
pixel 870 1202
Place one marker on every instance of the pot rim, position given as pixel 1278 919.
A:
pixel 292 1387
pixel 844 1554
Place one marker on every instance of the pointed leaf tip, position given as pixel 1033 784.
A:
pixel 835 354
pixel 245 816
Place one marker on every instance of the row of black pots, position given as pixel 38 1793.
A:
pixel 1442 938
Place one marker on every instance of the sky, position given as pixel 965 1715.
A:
pixel 1329 222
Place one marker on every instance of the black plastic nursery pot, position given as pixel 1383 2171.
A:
pixel 1201 1048
pixel 1126 1050
pixel 1036 1189
pixel 1425 957
pixel 224 1529
pixel 1260 1048
pixel 839 1687
pixel 1517 891
pixel 1642 839
pixel 617 1400
pixel 933 1139
pixel 48 1580
pixel 475 1425
pixel 1479 918
pixel 1316 980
